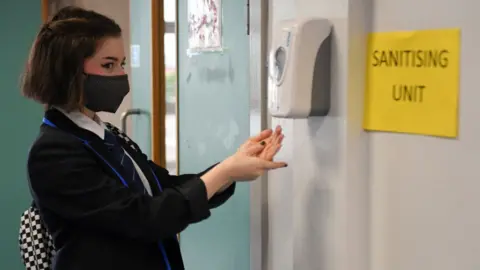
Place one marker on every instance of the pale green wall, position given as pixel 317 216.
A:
pixel 19 118
pixel 214 120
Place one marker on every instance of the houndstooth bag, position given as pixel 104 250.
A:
pixel 36 244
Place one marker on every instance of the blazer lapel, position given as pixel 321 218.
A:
pixel 96 144
pixel 144 166
pixel 107 157
pixel 140 159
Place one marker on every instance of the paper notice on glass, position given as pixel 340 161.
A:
pixel 204 26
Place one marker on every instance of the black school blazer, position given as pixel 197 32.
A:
pixel 97 222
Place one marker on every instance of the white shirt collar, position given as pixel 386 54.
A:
pixel 81 120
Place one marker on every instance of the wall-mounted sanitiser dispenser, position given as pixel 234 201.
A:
pixel 299 69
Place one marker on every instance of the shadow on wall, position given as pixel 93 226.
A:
pixel 317 156
pixel 316 162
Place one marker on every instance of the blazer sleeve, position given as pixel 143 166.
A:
pixel 66 179
pixel 185 179
pixel 179 182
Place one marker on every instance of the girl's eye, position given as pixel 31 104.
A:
pixel 123 65
pixel 108 65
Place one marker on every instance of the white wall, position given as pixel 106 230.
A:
pixel 425 190
pixel 318 210
pixel 356 201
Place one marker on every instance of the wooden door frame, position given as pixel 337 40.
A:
pixel 158 85
pixel 159 88
pixel 177 103
pixel 44 5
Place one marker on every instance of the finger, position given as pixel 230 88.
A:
pixel 274 151
pixel 279 139
pixel 254 149
pixel 263 154
pixel 272 148
pixel 262 135
pixel 273 136
pixel 278 130
pixel 268 144
pixel 268 140
pixel 271 165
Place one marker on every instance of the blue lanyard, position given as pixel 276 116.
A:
pixel 87 144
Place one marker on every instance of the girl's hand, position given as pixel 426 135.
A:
pixel 273 144
pixel 252 159
pixel 245 167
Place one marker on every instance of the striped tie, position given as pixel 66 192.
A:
pixel 118 152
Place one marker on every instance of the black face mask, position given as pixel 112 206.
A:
pixel 105 93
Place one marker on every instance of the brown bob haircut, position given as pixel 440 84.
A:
pixel 54 74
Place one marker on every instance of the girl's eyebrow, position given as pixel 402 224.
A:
pixel 113 58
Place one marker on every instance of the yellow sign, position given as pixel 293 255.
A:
pixel 412 82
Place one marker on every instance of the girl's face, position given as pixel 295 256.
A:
pixel 108 60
